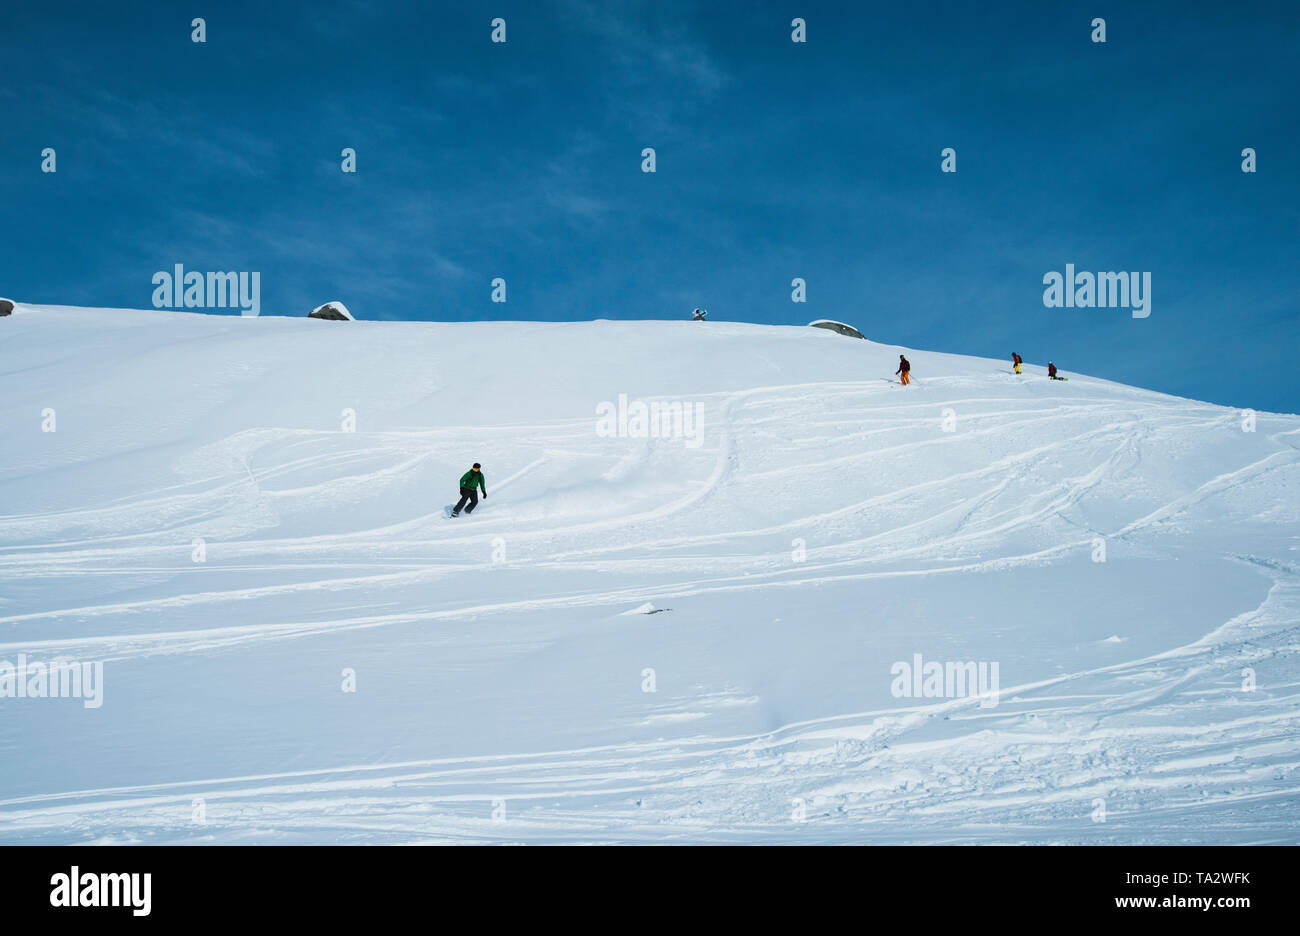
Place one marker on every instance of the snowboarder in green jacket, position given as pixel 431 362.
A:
pixel 469 481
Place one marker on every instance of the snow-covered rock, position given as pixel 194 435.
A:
pixel 334 311
pixel 846 330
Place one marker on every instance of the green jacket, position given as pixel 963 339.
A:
pixel 467 480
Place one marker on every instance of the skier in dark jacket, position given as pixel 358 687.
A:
pixel 1051 370
pixel 469 481
pixel 1016 361
pixel 904 367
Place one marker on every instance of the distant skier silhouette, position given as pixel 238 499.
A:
pixel 904 368
pixel 1051 372
pixel 1016 361
pixel 469 481
pixel 700 316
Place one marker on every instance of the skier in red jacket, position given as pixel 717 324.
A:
pixel 1016 361
pixel 1051 370
pixel 904 367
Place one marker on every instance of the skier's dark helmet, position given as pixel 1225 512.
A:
pixel 476 467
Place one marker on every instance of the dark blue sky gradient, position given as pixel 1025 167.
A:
pixel 775 160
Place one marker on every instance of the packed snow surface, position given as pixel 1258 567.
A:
pixel 241 520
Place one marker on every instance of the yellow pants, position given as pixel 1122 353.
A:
pixel 905 380
pixel 1017 368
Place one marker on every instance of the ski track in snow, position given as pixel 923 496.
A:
pixel 1029 480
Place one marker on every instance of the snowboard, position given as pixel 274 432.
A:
pixel 446 511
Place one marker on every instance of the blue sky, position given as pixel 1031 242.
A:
pixel 774 160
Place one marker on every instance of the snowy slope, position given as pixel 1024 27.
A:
pixel 823 526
